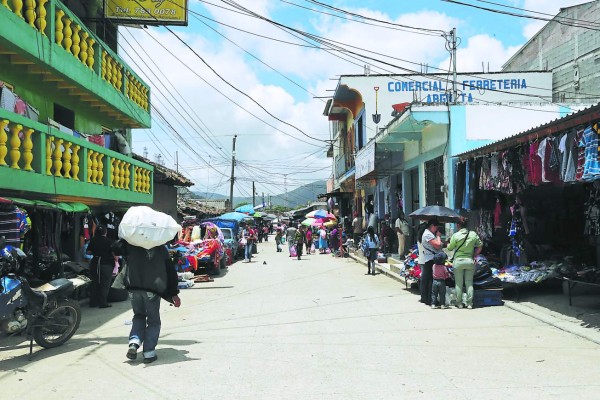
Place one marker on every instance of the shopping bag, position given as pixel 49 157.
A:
pixel 312 248
pixel 293 251
pixel 121 279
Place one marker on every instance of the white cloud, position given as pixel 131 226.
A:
pixel 544 6
pixel 481 49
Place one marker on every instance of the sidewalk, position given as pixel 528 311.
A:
pixel 582 319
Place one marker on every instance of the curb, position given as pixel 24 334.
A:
pixel 565 324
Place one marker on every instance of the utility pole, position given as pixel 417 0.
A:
pixel 285 186
pixel 232 174
pixel 177 161
pixel 263 200
pixel 253 194
pixel 454 85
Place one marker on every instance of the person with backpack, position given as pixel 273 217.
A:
pixel 372 242
pixel 466 245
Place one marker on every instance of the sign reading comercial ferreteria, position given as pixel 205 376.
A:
pixel 147 12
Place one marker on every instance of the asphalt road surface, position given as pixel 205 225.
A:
pixel 319 328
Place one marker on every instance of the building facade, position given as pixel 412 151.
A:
pixel 64 92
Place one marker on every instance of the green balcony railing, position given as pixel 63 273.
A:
pixel 39 158
pixel 62 28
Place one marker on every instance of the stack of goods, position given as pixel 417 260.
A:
pixel 484 277
pixel 583 273
pixel 189 256
pixel 410 269
pixel 536 272
pixel 185 280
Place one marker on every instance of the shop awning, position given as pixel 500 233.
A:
pixel 62 206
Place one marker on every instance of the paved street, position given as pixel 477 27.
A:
pixel 318 328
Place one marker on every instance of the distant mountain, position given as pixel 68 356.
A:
pixel 296 198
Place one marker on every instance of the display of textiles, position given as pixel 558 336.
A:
pixel 592 212
pixel 485 229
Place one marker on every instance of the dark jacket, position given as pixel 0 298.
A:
pixel 151 271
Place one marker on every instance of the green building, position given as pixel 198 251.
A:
pixel 68 82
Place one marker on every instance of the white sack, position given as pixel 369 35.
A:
pixel 144 227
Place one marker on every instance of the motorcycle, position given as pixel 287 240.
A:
pixel 45 314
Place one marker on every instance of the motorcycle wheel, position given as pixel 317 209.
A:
pixel 60 325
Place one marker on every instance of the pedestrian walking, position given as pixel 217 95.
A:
pixel 466 245
pixel 290 237
pixel 247 243
pixel 308 240
pixel 372 245
pixel 440 274
pixel 278 236
pixel 322 240
pixel 151 276
pixel 357 229
pixel 431 243
pixel 102 265
pixel 300 239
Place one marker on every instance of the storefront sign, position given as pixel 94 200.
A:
pixel 361 185
pixel 436 89
pixel 365 160
pixel 147 12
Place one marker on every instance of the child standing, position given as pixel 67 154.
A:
pixel 440 274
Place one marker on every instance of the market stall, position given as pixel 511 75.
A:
pixel 200 245
pixel 534 200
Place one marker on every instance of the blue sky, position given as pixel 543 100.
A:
pixel 274 151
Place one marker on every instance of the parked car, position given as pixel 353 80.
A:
pixel 231 241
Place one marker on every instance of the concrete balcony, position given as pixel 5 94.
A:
pixel 36 158
pixel 44 41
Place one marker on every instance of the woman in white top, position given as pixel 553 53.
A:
pixel 431 243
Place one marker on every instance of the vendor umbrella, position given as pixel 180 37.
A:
pixel 308 222
pixel 317 214
pixel 441 213
pixel 247 209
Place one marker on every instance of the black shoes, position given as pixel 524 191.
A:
pixel 148 360
pixel 132 352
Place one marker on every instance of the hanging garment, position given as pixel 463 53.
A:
pixel 551 163
pixel 459 184
pixel 591 166
pixel 485 174
pixel 7 99
pixel 497 215
pixel 571 149
pixel 494 172
pixel 564 155
pixel 580 155
pixel 465 203
pixel 592 213
pixel 536 164
pixel 10 227
pixel 542 155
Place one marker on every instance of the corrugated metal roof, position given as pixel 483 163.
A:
pixel 571 120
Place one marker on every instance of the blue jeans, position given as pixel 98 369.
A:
pixel 248 251
pixel 438 286
pixel 146 321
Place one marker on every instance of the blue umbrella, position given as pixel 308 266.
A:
pixel 248 208
pixel 321 214
pixel 236 216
